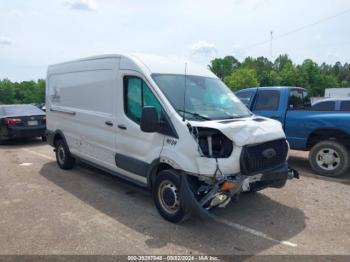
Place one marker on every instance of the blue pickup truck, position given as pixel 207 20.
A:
pixel 326 134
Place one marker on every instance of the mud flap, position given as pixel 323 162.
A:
pixel 189 202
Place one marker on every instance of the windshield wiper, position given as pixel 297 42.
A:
pixel 196 115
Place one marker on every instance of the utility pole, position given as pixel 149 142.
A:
pixel 271 54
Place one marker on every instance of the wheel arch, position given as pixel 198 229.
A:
pixel 322 134
pixel 155 167
pixel 55 137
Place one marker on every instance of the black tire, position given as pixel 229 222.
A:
pixel 63 157
pixel 329 158
pixel 165 195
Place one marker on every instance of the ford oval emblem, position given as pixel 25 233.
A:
pixel 269 153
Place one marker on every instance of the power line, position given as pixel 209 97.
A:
pixel 298 29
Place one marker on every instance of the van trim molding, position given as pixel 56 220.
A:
pixel 67 112
pixel 111 172
pixel 132 165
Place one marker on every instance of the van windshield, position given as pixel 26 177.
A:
pixel 206 98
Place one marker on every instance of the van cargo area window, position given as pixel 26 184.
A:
pixel 136 96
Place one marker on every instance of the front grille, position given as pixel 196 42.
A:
pixel 257 158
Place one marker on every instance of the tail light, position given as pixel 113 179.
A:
pixel 12 121
pixel 44 119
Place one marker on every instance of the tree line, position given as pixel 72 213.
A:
pixel 251 72
pixel 25 92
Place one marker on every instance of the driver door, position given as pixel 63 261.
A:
pixel 136 149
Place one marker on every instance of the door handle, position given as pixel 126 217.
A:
pixel 109 123
pixel 122 127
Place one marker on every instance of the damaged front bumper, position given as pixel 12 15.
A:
pixel 197 201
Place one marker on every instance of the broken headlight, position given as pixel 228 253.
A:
pixel 212 143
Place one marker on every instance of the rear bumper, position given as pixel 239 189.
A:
pixel 25 132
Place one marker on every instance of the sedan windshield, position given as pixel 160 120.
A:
pixel 206 98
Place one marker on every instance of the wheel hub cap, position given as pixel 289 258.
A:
pixel 168 196
pixel 61 154
pixel 328 159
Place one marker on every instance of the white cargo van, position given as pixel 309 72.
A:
pixel 168 125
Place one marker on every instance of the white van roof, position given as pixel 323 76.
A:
pixel 154 64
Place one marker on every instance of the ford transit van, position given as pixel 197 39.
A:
pixel 171 126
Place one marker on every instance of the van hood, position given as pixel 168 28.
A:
pixel 245 131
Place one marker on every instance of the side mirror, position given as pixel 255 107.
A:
pixel 149 120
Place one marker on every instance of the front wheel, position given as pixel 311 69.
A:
pixel 329 158
pixel 166 196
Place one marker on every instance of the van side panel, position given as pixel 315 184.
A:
pixel 78 90
pixel 82 100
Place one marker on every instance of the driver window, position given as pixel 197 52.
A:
pixel 136 96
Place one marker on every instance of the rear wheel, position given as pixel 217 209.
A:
pixel 166 196
pixel 329 158
pixel 63 156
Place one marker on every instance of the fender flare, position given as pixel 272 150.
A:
pixel 51 137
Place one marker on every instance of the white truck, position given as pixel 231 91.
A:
pixel 171 126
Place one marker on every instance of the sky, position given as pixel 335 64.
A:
pixel 37 33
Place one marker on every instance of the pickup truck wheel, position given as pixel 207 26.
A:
pixel 329 158
pixel 166 196
pixel 63 156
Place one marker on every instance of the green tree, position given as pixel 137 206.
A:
pixel 288 75
pixel 7 92
pixel 309 76
pixel 276 79
pixel 242 78
pixel 281 62
pixel 22 92
pixel 223 67
pixel 262 67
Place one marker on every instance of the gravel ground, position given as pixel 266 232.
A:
pixel 45 210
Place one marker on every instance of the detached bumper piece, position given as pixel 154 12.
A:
pixel 197 201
